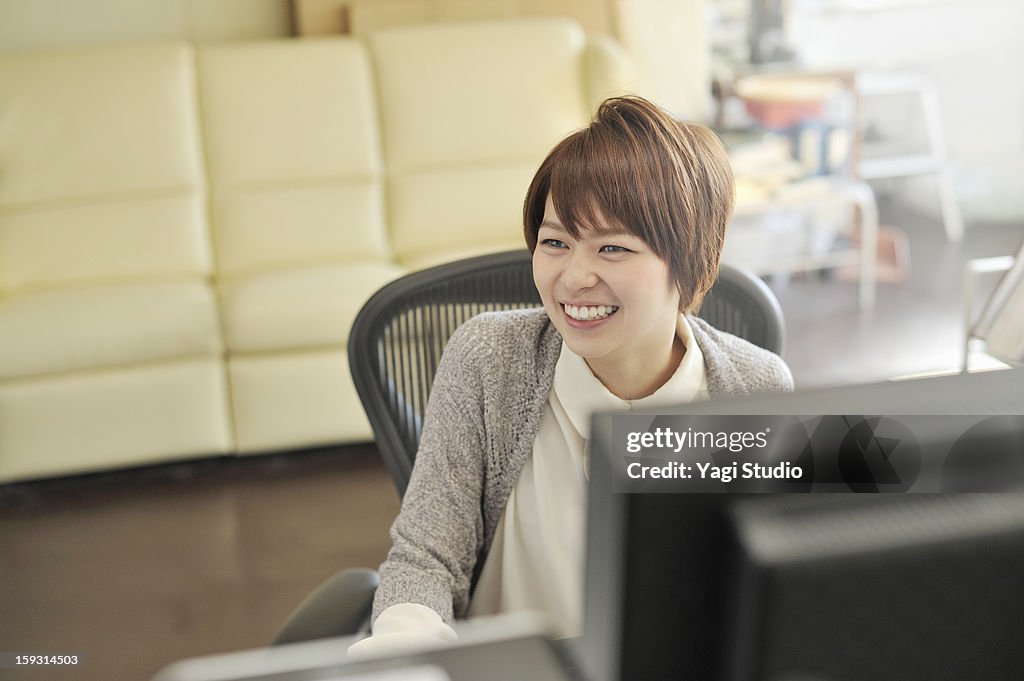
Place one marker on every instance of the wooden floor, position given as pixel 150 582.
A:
pixel 136 569
pixel 916 326
pixel 133 570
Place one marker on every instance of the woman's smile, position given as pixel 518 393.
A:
pixel 584 316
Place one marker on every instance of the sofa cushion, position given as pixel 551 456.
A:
pixel 259 230
pixel 46 332
pixel 468 111
pixel 461 209
pixel 124 416
pixel 101 177
pixel 299 308
pixel 135 238
pixel 294 399
pixel 133 128
pixel 293 152
pixel 478 92
pixel 284 110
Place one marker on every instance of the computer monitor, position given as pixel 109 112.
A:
pixel 801 587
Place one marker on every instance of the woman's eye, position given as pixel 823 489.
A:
pixel 614 249
pixel 555 243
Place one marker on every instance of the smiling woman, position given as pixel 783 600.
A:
pixel 626 220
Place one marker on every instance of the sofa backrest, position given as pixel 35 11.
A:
pixel 293 154
pixel 112 193
pixel 292 134
pixel 468 111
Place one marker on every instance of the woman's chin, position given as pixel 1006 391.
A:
pixel 588 350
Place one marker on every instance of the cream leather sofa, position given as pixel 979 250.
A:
pixel 187 234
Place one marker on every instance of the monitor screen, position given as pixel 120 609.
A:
pixel 823 586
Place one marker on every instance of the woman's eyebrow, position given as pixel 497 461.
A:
pixel 614 231
pixel 552 224
pixel 604 232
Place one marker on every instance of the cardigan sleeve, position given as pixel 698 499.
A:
pixel 439 531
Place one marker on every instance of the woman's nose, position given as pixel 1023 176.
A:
pixel 579 273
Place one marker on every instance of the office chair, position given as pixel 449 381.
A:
pixel 395 346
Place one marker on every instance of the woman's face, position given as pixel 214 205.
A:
pixel 608 294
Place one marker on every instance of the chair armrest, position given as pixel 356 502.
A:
pixel 340 606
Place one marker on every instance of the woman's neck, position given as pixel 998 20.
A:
pixel 637 376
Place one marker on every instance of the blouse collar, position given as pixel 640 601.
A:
pixel 581 393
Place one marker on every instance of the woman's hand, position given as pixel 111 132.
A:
pixel 403 628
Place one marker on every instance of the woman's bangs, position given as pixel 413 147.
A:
pixel 587 191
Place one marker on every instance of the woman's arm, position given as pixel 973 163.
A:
pixel 439 531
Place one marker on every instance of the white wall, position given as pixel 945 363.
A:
pixel 39 24
pixel 974 52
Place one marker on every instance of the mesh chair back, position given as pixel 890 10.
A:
pixel 399 335
pixel 397 339
pixel 742 304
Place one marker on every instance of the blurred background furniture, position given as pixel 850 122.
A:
pixel 900 162
pixel 394 350
pixel 799 205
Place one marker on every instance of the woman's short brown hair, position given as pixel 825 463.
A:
pixel 667 182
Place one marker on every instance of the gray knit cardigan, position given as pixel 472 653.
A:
pixel 479 428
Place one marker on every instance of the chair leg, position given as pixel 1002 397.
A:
pixel 951 216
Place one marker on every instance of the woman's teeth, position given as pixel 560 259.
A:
pixel 592 312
